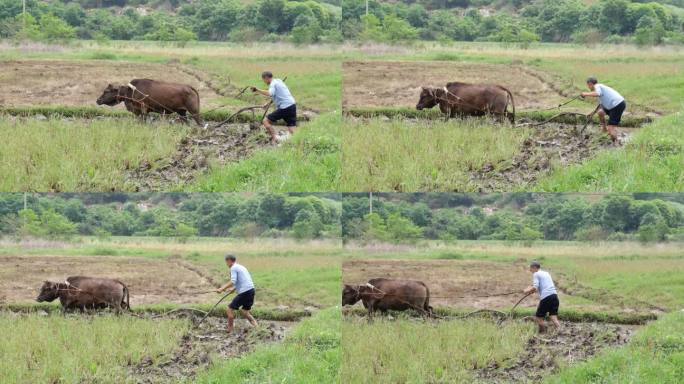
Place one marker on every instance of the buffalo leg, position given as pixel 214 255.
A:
pixel 183 116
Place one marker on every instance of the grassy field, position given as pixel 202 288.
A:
pixel 650 79
pixel 422 156
pixel 51 349
pixel 309 354
pixel 651 161
pixel 655 355
pixel 313 74
pixel 600 282
pixel 290 275
pixel 412 352
pixel 60 155
pixel 310 161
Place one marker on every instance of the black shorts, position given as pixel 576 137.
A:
pixel 548 305
pixel 244 300
pixel 288 114
pixel 615 114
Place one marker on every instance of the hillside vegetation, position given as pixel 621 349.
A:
pixel 515 21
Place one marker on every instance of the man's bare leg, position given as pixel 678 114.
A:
pixel 540 324
pixel 269 128
pixel 249 317
pixel 613 132
pixel 556 323
pixel 291 130
pixel 602 119
pixel 231 319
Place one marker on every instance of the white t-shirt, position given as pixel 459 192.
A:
pixel 281 94
pixel 241 278
pixel 609 97
pixel 544 283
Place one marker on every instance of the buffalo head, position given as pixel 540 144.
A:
pixel 110 96
pixel 350 294
pixel 48 292
pixel 428 98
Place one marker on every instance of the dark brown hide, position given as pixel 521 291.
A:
pixel 462 99
pixel 81 292
pixel 388 294
pixel 154 96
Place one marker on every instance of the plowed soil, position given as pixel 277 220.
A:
pixel 79 83
pixel 452 283
pixel 398 83
pixel 204 344
pixel 150 281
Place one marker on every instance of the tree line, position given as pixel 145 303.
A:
pixel 517 21
pixel 522 216
pixel 170 215
pixel 305 21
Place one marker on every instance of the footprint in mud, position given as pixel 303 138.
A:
pixel 545 353
pixel 204 345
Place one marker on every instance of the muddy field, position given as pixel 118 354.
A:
pixel 544 354
pixel 397 84
pixel 452 283
pixel 150 281
pixel 550 146
pixel 196 152
pixel 28 83
pixel 203 344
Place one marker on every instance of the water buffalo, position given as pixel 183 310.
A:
pixel 142 96
pixel 385 294
pixel 81 292
pixel 462 99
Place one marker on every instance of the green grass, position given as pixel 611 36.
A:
pixel 309 161
pixel 652 161
pixel 310 353
pixel 404 351
pixel 650 79
pixel 59 155
pixel 51 349
pixel 400 156
pixel 654 355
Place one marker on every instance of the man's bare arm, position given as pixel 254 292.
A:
pixel 261 92
pixel 530 289
pixel 589 94
pixel 225 287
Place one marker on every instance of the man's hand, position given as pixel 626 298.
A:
pixel 254 89
pixel 582 95
pixel 219 290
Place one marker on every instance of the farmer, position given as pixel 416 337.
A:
pixel 543 284
pixel 612 104
pixel 286 109
pixel 240 281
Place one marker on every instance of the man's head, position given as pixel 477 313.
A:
pixel 591 82
pixel 267 77
pixel 230 260
pixel 535 266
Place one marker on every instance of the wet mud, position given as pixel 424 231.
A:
pixel 196 152
pixel 549 146
pixel 545 353
pixel 201 346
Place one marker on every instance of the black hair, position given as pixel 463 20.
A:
pixel 230 257
pixel 267 74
